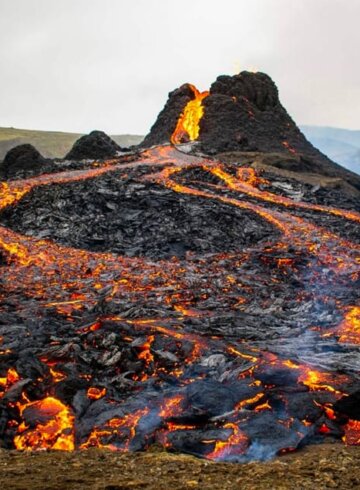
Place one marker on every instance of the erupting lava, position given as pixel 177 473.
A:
pixel 188 125
pixel 133 352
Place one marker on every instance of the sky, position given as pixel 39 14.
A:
pixel 78 65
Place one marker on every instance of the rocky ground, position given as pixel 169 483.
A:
pixel 322 467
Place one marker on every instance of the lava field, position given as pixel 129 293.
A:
pixel 163 297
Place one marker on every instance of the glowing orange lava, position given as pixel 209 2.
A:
pixel 188 125
pixel 114 426
pixel 352 433
pixel 51 427
pixel 94 393
pixel 235 444
pixel 349 328
pixel 69 280
pixel 318 381
pixel 11 378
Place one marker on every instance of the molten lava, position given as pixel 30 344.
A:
pixel 349 328
pixel 94 393
pixel 47 424
pixel 141 349
pixel 123 428
pixel 352 433
pixel 5 383
pixel 188 125
pixel 236 444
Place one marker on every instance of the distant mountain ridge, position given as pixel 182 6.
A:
pixel 51 144
pixel 341 145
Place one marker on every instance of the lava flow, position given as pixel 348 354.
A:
pixel 188 125
pixel 233 354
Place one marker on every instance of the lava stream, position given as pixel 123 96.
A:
pixel 70 283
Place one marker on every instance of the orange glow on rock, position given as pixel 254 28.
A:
pixel 320 381
pixel 113 427
pixel 188 125
pixel 57 375
pixel 145 352
pixel 48 423
pixel 11 378
pixel 51 426
pixel 249 401
pixel 171 406
pixel 235 444
pixel 94 393
pixel 349 328
pixel 352 433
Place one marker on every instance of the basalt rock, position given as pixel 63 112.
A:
pixel 23 161
pixel 349 405
pixel 95 145
pixel 109 214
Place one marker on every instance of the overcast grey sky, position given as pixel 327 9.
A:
pixel 77 65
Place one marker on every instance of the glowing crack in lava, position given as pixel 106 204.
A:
pixel 127 352
pixel 188 125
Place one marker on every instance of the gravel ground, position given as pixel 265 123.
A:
pixel 320 467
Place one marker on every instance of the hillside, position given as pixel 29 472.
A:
pixel 341 145
pixel 51 144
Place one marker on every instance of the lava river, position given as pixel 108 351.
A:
pixel 228 356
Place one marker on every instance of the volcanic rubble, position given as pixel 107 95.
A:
pixel 167 298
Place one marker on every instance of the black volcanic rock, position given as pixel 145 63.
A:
pixel 243 113
pixel 128 218
pixel 94 145
pixel 255 88
pixel 137 350
pixel 349 405
pixel 22 161
pixel 166 121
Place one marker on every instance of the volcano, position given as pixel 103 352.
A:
pixel 241 113
pixel 200 292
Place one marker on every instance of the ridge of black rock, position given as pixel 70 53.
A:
pixel 108 213
pixel 22 161
pixel 243 113
pixel 96 144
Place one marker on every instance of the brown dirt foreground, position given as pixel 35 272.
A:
pixel 320 467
